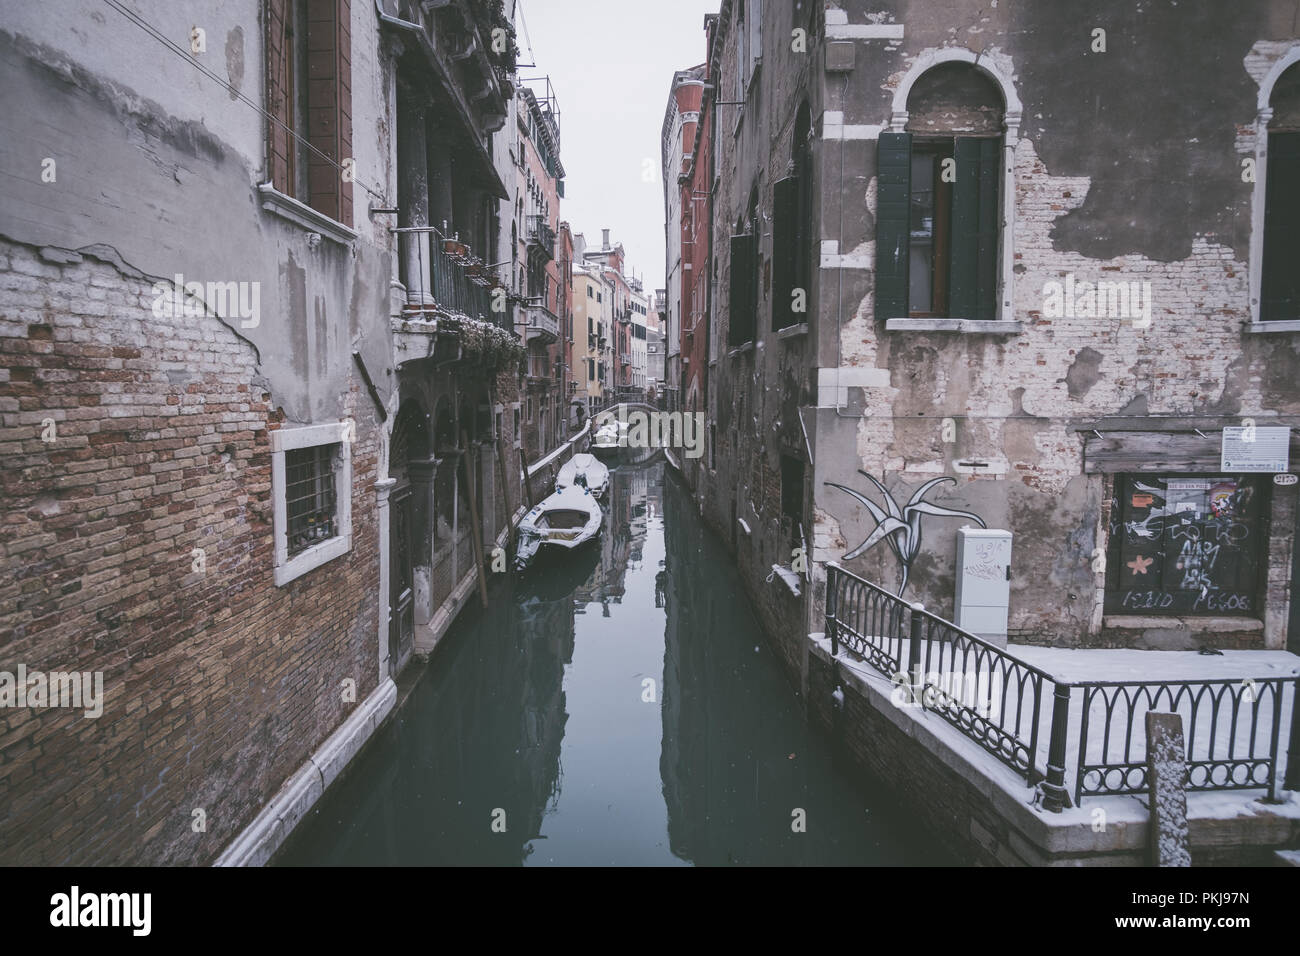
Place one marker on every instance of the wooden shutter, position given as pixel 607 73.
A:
pixel 329 106
pixel 973 253
pixel 893 195
pixel 740 328
pixel 279 95
pixel 1280 298
pixel 785 251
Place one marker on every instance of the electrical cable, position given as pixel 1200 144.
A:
pixel 238 94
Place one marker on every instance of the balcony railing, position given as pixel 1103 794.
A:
pixel 541 236
pixel 541 324
pixel 1046 729
pixel 457 281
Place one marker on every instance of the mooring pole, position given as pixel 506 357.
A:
pixel 476 529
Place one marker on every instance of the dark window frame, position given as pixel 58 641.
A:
pixel 1190 554
pixel 1279 298
pixel 311 496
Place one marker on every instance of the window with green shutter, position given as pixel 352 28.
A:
pixel 937 226
pixel 893 196
pixel 785 251
pixel 743 287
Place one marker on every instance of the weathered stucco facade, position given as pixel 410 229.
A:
pixel 246 425
pixel 1052 417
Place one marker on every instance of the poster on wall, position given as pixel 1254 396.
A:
pixel 1250 449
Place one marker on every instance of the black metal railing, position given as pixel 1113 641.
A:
pixel 1217 714
pixel 459 282
pixel 460 285
pixel 541 235
pixel 1024 716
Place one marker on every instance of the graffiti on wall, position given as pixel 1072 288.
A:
pixel 900 526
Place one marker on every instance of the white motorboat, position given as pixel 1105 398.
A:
pixel 584 471
pixel 567 519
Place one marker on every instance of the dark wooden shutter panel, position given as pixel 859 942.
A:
pixel 973 268
pixel 785 249
pixel 279 86
pixel 329 105
pixel 893 195
pixel 1280 292
pixel 741 324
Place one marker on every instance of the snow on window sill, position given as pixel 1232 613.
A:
pixel 312 558
pixel 1277 325
pixel 788 577
pixel 1207 624
pixel 299 213
pixel 974 326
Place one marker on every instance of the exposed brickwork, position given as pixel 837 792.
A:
pixel 217 685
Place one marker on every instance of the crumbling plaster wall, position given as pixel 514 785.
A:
pixel 1116 178
pixel 160 163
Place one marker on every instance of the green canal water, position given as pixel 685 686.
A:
pixel 615 706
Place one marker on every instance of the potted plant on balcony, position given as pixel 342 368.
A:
pixel 455 248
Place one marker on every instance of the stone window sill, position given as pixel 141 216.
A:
pixel 792 331
pixel 1208 624
pixel 788 577
pixel 968 326
pixel 740 349
pixel 299 213
pixel 1283 325
pixel 283 440
pixel 312 558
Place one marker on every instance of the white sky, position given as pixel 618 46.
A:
pixel 611 63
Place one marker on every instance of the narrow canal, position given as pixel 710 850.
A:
pixel 615 708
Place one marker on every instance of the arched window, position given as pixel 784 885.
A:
pixel 945 196
pixel 1279 291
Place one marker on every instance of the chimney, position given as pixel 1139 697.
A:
pixel 604 238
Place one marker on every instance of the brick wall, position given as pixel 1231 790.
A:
pixel 217 685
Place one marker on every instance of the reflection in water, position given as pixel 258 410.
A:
pixel 611 708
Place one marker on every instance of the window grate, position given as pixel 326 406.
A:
pixel 310 496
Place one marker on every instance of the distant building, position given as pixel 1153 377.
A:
pixel 539 266
pixel 677 142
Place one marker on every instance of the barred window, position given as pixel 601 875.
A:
pixel 311 485
pixel 310 496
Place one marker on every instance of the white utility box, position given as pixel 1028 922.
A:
pixel 984 582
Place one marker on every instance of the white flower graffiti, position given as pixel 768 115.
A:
pixel 901 527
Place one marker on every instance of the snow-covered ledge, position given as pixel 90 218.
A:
pixel 975 326
pixel 299 213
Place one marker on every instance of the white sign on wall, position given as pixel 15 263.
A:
pixel 1250 449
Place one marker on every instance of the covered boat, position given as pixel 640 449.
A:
pixel 567 519
pixel 610 439
pixel 584 471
